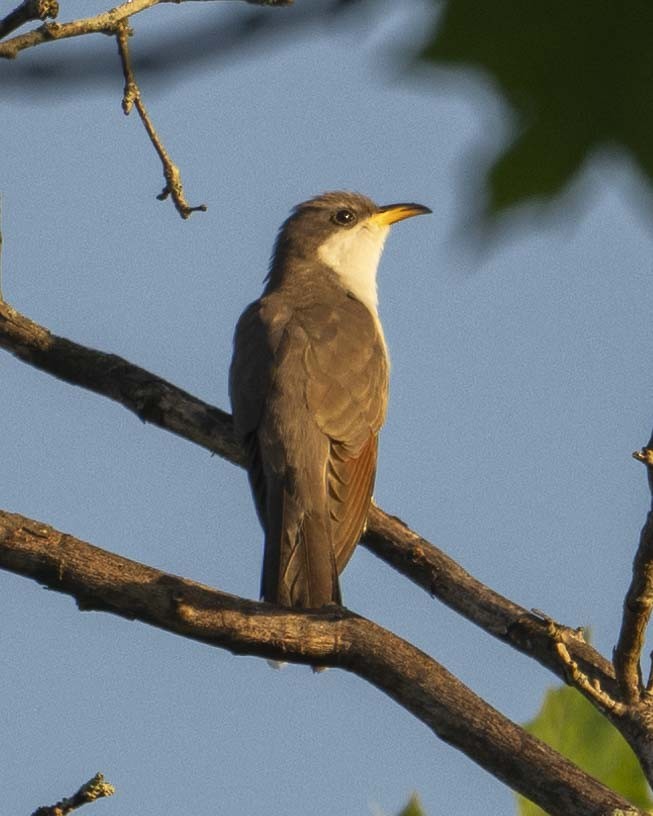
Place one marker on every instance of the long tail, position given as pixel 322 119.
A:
pixel 299 566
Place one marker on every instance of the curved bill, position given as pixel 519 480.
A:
pixel 392 213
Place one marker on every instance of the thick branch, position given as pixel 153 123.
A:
pixel 161 403
pixel 152 399
pixel 638 603
pixel 100 580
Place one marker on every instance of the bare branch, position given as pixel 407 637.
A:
pixel 26 12
pixel 159 402
pixel 95 788
pixel 149 397
pixel 132 97
pixel 104 581
pixel 638 603
pixel 100 24
pixel 104 23
pixel 529 632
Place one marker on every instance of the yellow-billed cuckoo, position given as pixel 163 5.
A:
pixel 308 385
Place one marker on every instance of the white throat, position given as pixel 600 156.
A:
pixel 354 255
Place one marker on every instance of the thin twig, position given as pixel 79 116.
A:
pixel 638 603
pixel 26 12
pixel 132 98
pixel 95 788
pixel 576 677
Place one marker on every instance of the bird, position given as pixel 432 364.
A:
pixel 308 384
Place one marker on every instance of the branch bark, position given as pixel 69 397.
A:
pixel 104 581
pixel 638 605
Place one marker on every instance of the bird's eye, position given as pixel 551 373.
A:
pixel 345 218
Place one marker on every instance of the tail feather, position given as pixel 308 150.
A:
pixel 299 567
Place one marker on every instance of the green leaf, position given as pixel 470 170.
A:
pixel 413 808
pixel 571 725
pixel 579 77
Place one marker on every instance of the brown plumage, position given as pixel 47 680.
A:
pixel 308 384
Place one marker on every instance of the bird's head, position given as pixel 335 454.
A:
pixel 342 231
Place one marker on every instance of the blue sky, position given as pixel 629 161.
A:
pixel 520 386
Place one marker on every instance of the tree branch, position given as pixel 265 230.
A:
pixel 26 12
pixel 95 788
pixel 104 581
pixel 213 38
pixel 152 399
pixel 638 603
pixel 159 402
